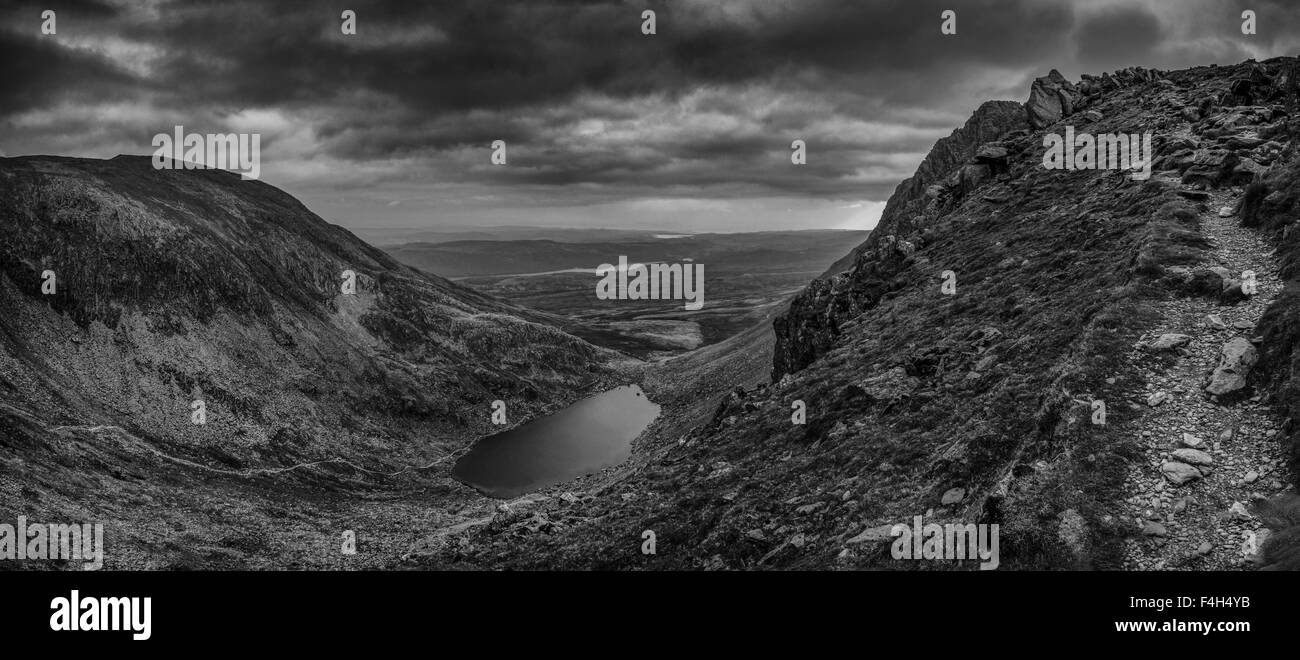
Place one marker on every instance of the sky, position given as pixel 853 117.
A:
pixel 688 129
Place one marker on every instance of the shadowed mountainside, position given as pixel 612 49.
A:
pixel 181 285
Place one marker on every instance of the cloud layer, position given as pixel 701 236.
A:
pixel 393 126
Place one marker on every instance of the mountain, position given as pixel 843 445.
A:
pixel 1095 380
pixel 177 286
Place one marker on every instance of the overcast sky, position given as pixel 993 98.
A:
pixel 688 129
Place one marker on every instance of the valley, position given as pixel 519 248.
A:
pixel 748 277
pixel 338 413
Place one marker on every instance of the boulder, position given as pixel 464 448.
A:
pixel 994 156
pixel 1231 293
pixel 1179 473
pixel 1192 456
pixel 1245 171
pixel 1206 282
pixel 1252 547
pixel 1169 341
pixel 991 151
pixel 1235 360
pixel 1047 104
pixel 1252 87
pixel 1210 167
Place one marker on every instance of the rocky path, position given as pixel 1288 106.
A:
pixel 136 444
pixel 1206 456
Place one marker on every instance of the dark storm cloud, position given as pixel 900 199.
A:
pixel 709 105
pixel 36 72
pixel 1117 35
pixel 477 54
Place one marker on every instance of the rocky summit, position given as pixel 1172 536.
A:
pixel 1102 365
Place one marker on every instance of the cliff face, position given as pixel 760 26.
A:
pixel 975 158
pixel 949 172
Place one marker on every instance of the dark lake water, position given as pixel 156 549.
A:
pixel 588 436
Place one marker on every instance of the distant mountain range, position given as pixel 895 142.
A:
pixel 386 237
pixel 740 252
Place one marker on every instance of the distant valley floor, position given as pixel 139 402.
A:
pixel 748 278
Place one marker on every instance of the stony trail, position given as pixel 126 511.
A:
pixel 1204 523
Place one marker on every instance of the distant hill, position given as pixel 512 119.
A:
pixel 742 252
pixel 386 237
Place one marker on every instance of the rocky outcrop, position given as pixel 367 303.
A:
pixel 1050 98
pixel 955 167
pixel 990 121
pixel 973 158
pixel 1235 361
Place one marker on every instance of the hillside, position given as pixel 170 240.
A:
pixel 1072 286
pixel 182 285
